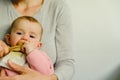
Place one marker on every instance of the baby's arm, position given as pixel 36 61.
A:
pixel 39 61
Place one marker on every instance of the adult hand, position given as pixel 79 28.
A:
pixel 4 49
pixel 26 74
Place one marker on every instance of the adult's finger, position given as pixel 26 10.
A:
pixel 4 78
pixel 7 78
pixel 3 73
pixel 1 52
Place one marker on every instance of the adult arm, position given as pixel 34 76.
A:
pixel 64 67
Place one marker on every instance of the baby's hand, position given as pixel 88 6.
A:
pixel 28 47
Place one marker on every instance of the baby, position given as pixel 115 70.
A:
pixel 24 40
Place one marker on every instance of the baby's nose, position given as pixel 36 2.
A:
pixel 25 37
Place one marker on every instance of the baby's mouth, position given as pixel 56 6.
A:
pixel 20 43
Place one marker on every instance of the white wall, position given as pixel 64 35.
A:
pixel 97 39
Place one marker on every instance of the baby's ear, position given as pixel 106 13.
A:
pixel 7 38
pixel 39 45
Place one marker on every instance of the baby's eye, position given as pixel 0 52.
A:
pixel 19 33
pixel 32 36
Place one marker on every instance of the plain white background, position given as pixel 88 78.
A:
pixel 96 26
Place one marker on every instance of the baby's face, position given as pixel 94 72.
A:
pixel 25 31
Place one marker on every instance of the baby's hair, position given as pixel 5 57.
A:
pixel 29 18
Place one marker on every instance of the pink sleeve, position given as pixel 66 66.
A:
pixel 39 61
